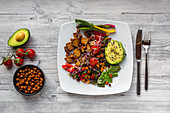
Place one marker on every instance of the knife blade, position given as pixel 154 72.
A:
pixel 138 57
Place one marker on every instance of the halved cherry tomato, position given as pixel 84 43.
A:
pixel 72 69
pixel 95 50
pixel 93 61
pixel 68 67
pixel 99 38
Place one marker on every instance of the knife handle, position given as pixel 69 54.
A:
pixel 138 78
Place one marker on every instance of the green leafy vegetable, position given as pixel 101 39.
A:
pixel 113 69
pixel 105 75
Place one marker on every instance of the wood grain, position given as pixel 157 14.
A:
pixel 44 19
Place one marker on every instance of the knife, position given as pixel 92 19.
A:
pixel 138 57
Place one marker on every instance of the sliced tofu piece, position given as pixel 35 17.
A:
pixel 75 35
pixel 77 53
pixel 84 40
pixel 69 46
pixel 69 60
pixel 75 42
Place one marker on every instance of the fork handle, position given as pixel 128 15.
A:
pixel 146 72
pixel 138 78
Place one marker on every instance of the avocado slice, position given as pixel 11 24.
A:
pixel 19 38
pixel 114 52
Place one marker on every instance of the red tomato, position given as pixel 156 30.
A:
pixel 93 61
pixel 68 67
pixel 19 61
pixel 98 37
pixel 64 67
pixel 20 52
pixel 8 62
pixel 30 53
pixel 72 69
pixel 95 50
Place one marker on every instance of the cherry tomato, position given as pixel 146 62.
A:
pixel 93 61
pixel 67 66
pixel 19 61
pixel 64 67
pixel 20 52
pixel 8 62
pixel 98 37
pixel 95 50
pixel 30 53
pixel 72 69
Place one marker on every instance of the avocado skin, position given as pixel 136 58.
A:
pixel 122 57
pixel 21 41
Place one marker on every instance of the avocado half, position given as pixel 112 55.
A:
pixel 114 52
pixel 20 37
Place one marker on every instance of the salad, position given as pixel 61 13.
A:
pixel 91 56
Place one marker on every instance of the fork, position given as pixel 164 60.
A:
pixel 146 42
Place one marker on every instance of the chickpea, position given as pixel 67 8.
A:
pixel 38 87
pixel 17 79
pixel 17 84
pixel 41 79
pixel 26 82
pixel 33 89
pixel 29 79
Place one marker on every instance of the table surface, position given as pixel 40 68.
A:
pixel 44 19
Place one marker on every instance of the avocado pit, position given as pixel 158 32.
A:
pixel 20 36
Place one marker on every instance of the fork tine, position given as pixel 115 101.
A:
pixel 149 36
pixel 145 36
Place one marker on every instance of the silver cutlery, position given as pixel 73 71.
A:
pixel 146 44
pixel 138 57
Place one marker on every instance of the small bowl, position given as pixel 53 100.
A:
pixel 15 75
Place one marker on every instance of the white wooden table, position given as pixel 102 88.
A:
pixel 44 18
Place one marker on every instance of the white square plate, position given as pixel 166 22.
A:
pixel 120 84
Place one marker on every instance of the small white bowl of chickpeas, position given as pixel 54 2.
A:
pixel 28 80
